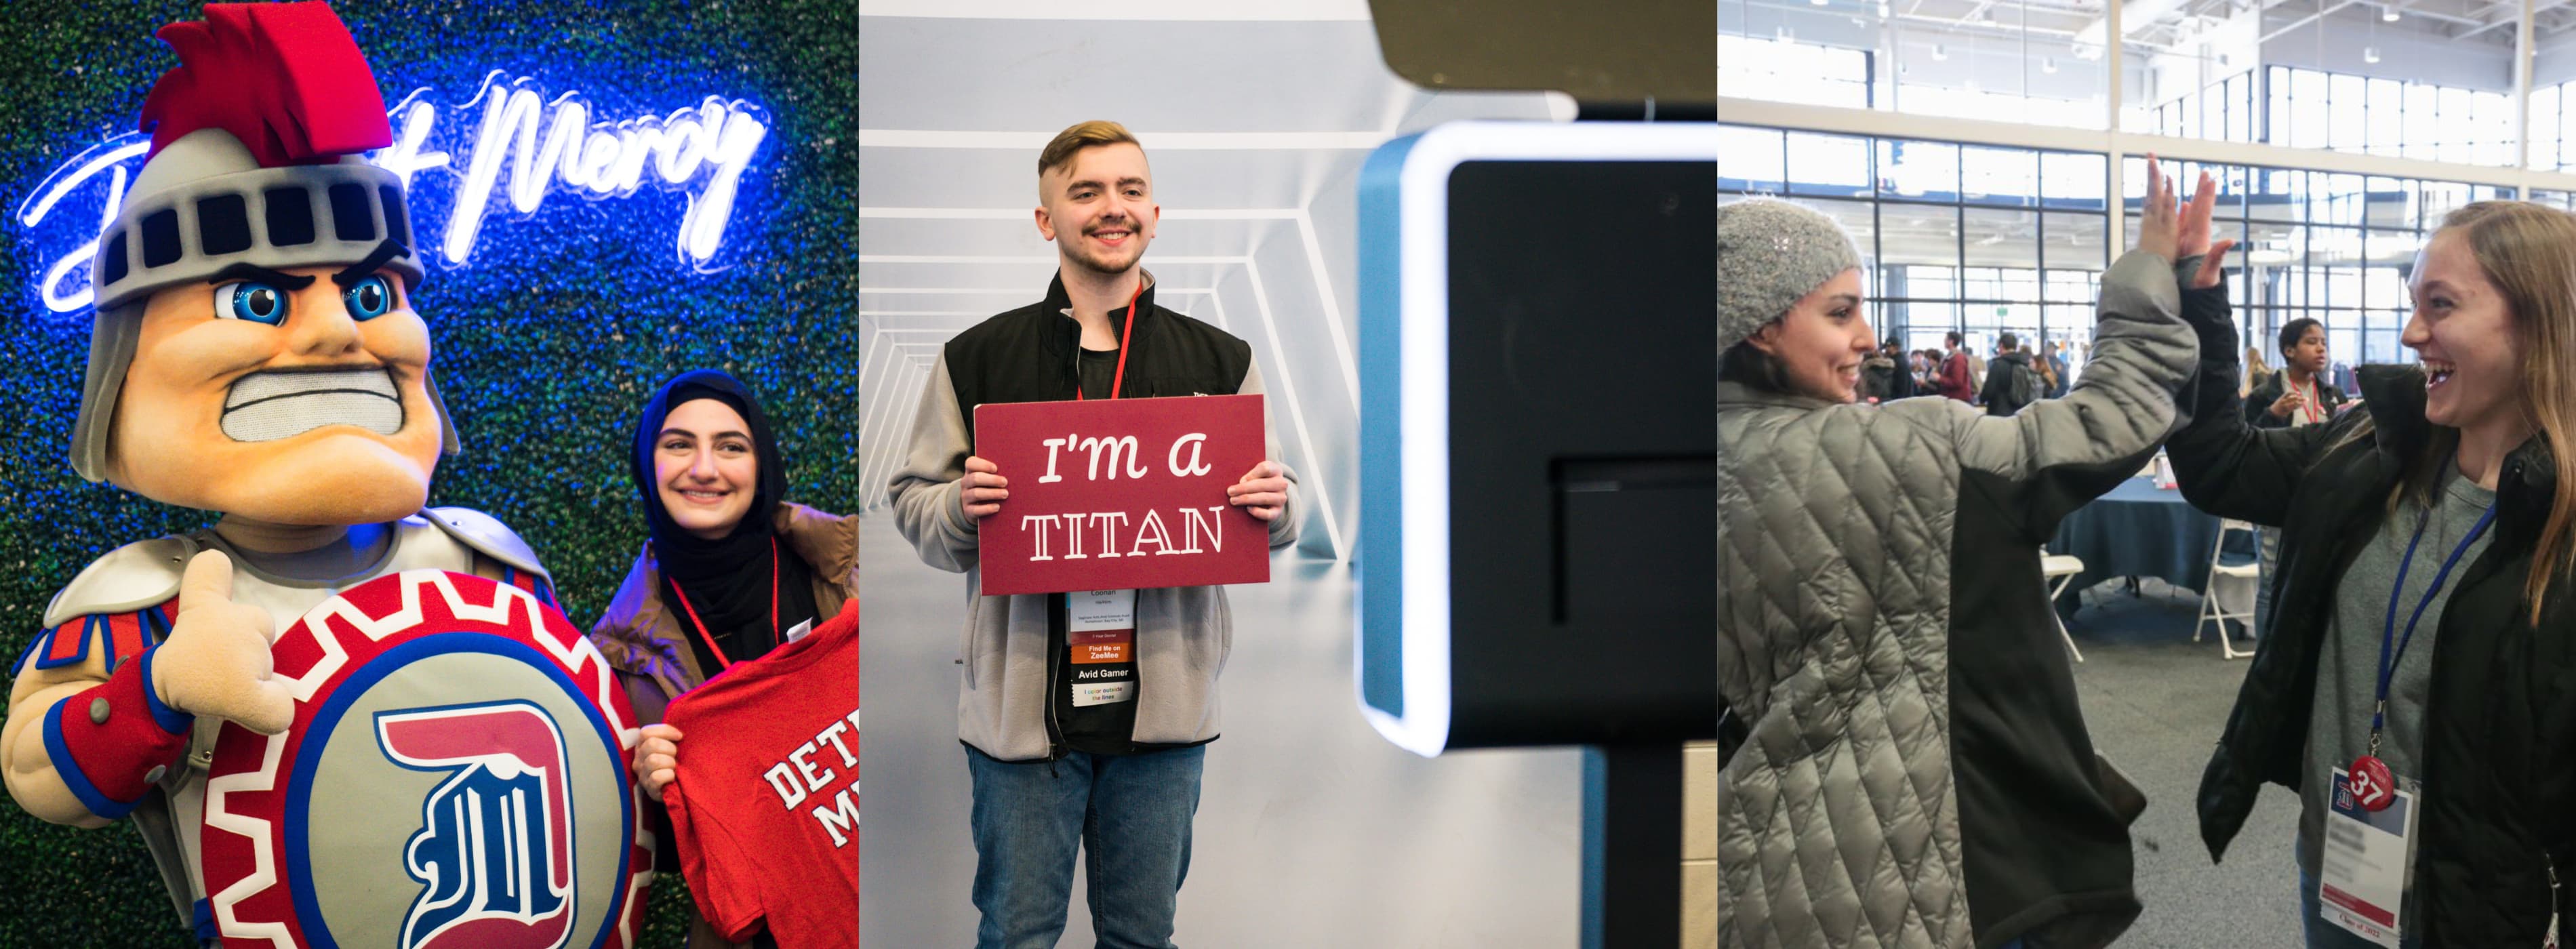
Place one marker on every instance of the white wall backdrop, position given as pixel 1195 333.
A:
pixel 1256 118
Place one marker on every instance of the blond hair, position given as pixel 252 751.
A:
pixel 2528 251
pixel 1059 152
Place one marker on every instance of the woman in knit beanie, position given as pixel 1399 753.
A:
pixel 1915 770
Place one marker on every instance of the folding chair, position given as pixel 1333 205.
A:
pixel 2058 570
pixel 2249 572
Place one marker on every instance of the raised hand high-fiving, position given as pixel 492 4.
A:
pixel 216 661
pixel 2193 238
pixel 2159 230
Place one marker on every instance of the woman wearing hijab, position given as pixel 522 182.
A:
pixel 729 569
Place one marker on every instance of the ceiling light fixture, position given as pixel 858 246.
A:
pixel 2370 54
pixel 2388 14
pixel 1939 53
pixel 2048 64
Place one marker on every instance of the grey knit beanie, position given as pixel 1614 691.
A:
pixel 1770 254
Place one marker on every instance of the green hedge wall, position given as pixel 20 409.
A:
pixel 546 344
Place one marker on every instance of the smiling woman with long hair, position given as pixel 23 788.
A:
pixel 2421 630
pixel 1913 769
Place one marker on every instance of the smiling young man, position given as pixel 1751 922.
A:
pixel 1110 763
pixel 2299 394
pixel 254 353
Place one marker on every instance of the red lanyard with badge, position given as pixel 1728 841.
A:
pixel 2371 783
pixel 1126 337
pixel 709 635
pixel 1100 625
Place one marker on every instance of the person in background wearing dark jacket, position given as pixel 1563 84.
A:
pixel 2010 381
pixel 2298 394
pixel 2426 545
pixel 2057 370
pixel 1886 377
pixel 1922 699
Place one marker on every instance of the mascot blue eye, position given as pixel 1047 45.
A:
pixel 250 300
pixel 369 298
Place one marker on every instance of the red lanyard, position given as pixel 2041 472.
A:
pixel 709 635
pixel 1126 335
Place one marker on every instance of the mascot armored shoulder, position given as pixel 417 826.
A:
pixel 254 353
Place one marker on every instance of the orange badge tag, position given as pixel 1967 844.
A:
pixel 1101 626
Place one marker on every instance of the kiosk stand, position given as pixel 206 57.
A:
pixel 1538 468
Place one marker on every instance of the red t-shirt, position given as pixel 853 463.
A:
pixel 768 825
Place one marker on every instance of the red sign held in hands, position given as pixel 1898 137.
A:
pixel 1121 494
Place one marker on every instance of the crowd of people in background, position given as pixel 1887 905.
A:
pixel 1960 372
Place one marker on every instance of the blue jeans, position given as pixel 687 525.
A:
pixel 2325 935
pixel 1130 816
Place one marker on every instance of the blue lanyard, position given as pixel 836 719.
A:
pixel 2387 664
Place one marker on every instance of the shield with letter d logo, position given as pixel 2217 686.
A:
pixel 455 779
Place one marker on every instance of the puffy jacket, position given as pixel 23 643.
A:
pixel 2498 811
pixel 1914 769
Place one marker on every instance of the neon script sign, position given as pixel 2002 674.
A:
pixel 511 146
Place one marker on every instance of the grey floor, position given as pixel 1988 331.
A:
pixel 2155 702
pixel 1312 830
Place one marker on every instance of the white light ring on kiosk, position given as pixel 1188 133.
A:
pixel 1414 475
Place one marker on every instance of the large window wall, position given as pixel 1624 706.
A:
pixel 1985 240
pixel 1955 237
pixel 2341 134
pixel 2435 80
pixel 2314 108
pixel 2333 247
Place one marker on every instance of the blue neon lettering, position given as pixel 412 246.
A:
pixel 547 145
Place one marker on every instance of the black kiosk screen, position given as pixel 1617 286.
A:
pixel 1582 303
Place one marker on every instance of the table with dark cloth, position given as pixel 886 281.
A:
pixel 2138 530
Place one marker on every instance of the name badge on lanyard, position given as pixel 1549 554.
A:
pixel 2370 821
pixel 1100 630
pixel 2361 867
pixel 2370 783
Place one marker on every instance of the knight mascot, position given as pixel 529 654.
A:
pixel 336 715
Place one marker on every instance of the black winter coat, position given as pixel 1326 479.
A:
pixel 2499 804
pixel 2258 406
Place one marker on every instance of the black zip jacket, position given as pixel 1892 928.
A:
pixel 2258 406
pixel 1168 355
pixel 2499 799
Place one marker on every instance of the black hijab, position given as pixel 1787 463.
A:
pixel 728 582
